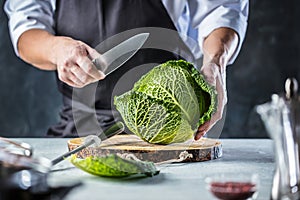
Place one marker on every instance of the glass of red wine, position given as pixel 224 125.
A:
pixel 233 186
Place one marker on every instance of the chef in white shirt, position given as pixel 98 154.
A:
pixel 61 35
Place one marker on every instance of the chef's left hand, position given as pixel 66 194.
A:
pixel 215 76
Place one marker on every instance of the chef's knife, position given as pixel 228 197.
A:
pixel 118 55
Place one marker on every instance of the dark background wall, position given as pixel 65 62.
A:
pixel 30 103
pixel 270 54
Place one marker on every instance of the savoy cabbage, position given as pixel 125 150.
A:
pixel 168 103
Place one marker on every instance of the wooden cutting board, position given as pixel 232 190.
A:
pixel 201 150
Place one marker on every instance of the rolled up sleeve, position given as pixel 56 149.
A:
pixel 28 14
pixel 208 15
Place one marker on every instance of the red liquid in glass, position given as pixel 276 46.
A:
pixel 232 190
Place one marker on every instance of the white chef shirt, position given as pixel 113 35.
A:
pixel 192 18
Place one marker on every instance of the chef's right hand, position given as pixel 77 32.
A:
pixel 74 62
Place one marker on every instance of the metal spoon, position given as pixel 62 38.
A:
pixel 115 129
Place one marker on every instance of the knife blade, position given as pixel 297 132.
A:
pixel 118 55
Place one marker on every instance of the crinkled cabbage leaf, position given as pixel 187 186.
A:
pixel 168 103
pixel 114 166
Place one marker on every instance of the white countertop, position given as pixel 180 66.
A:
pixel 175 181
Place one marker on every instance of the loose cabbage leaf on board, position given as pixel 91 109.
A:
pixel 114 166
pixel 168 103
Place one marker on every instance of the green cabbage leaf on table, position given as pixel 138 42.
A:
pixel 114 166
pixel 168 103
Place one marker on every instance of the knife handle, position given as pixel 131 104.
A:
pixel 100 64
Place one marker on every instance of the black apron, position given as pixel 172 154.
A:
pixel 93 22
